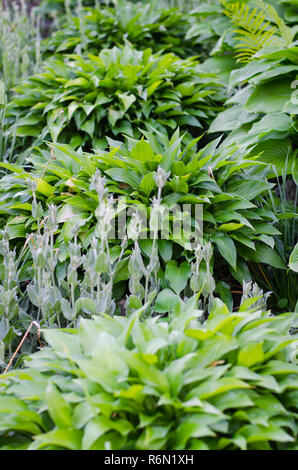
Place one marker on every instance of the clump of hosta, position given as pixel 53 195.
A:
pixel 171 383
pixel 158 175
pixel 146 24
pixel 80 100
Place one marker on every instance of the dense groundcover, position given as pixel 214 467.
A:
pixel 148 225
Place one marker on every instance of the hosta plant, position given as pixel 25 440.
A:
pixel 52 284
pixel 143 25
pixel 79 100
pixel 261 111
pixel 158 173
pixel 171 383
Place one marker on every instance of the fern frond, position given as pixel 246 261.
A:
pixel 286 32
pixel 254 27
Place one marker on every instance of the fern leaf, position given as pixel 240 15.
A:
pixel 255 28
pixel 286 32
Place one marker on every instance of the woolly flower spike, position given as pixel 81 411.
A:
pixel 52 218
pixel 32 185
pixel 104 214
pixel 136 264
pixel 98 183
pixel 252 290
pixel 135 227
pixel 207 252
pixel 161 177
pixel 199 253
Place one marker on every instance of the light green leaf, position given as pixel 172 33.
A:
pixel 293 261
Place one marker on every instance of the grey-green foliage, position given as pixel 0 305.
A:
pixel 172 383
pixel 19 43
pixel 19 57
pixel 64 284
pixel 55 294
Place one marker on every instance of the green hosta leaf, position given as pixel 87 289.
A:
pixel 151 89
pixel 264 254
pixel 257 433
pixel 102 424
pixel 64 438
pixel 147 184
pixel 68 345
pixel 83 160
pixel 251 354
pixel 223 289
pixel 271 122
pixel 269 97
pixel 194 426
pixel 244 73
pixel 248 188
pixel 127 100
pixel 125 176
pixel 89 126
pixel 142 151
pixel 177 275
pixel 44 188
pixel 231 118
pixel 230 227
pixel 212 388
pixel 165 301
pixel 31 131
pixel 227 248
pixel 77 82
pixel 58 407
pixel 114 115
pixel 179 185
pixel 72 107
pixel 293 261
pixel 165 248
pixel 274 72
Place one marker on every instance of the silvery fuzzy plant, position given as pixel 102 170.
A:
pixel 202 281
pixel 253 296
pixel 14 319
pixel 9 305
pixel 87 286
pixel 19 42
pixel 7 137
pixel 145 294
pixel 144 284
pixel 20 38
